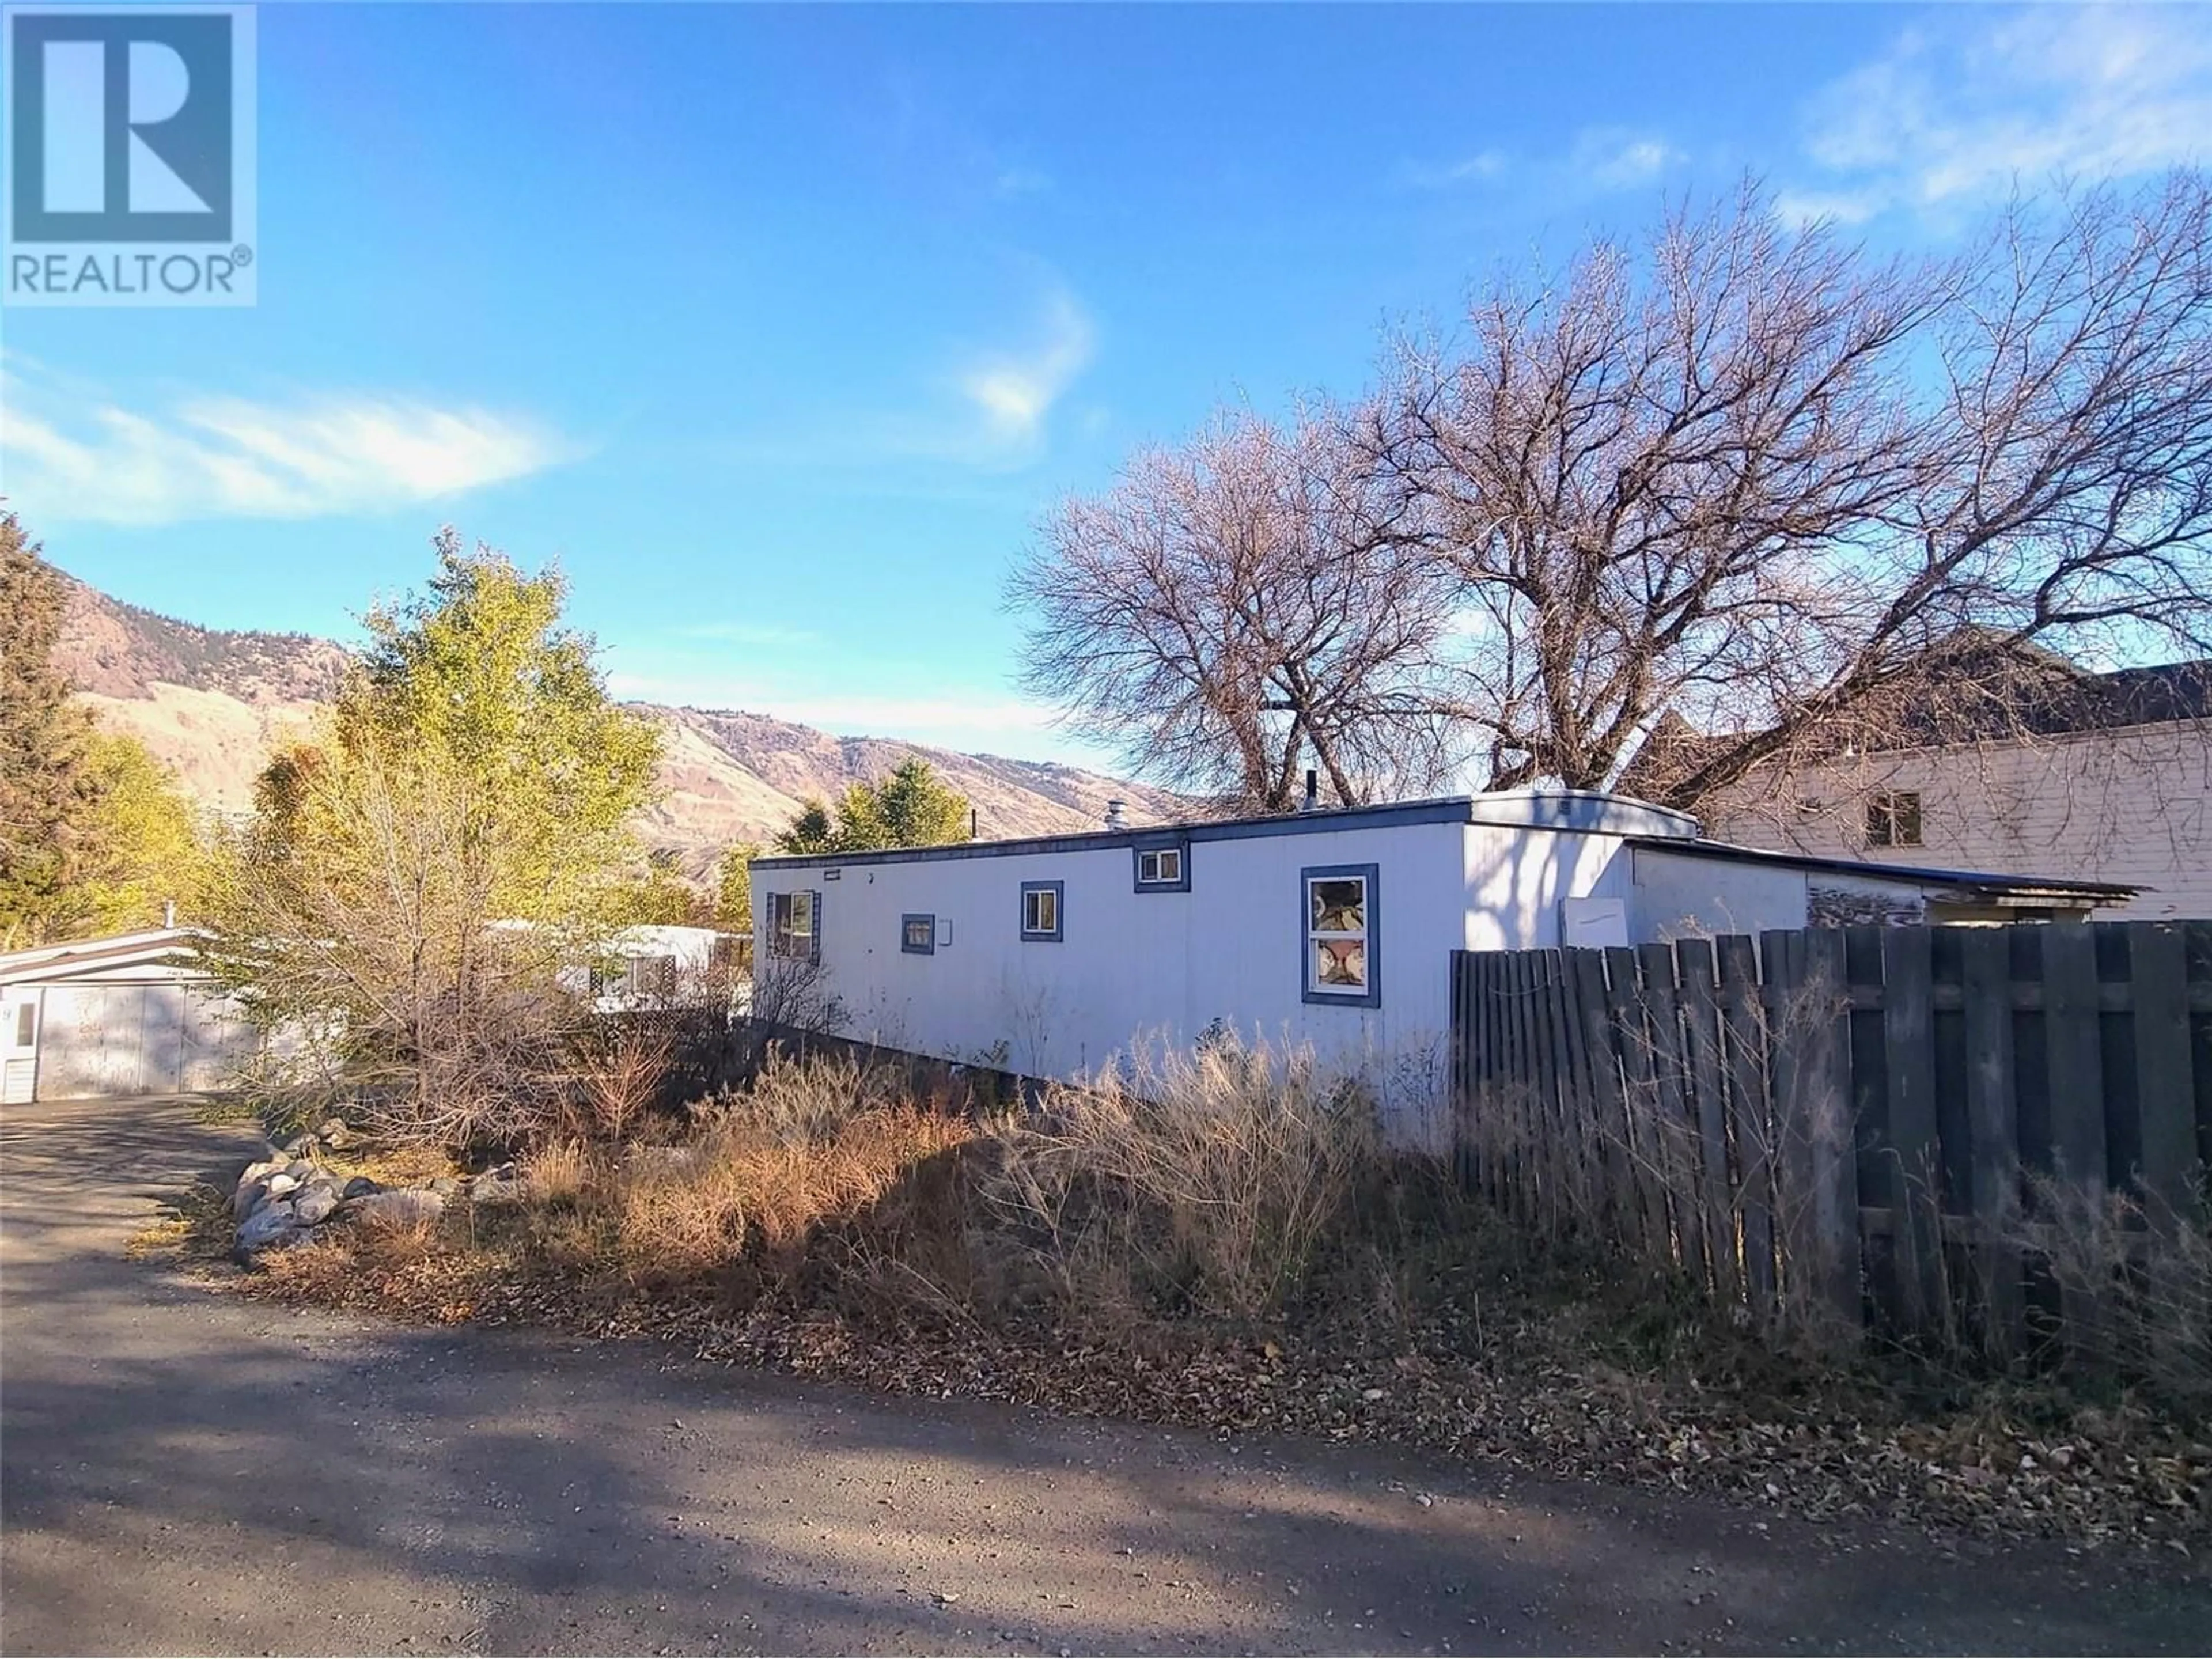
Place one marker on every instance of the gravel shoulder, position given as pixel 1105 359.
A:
pixel 185 1471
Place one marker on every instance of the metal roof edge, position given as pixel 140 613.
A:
pixel 1700 847
pixel 1564 812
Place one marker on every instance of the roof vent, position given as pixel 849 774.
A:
pixel 1116 818
pixel 1312 801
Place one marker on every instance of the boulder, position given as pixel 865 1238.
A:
pixel 406 1207
pixel 282 1183
pixel 301 1170
pixel 445 1187
pixel 316 1204
pixel 504 1185
pixel 360 1186
pixel 247 1199
pixel 334 1133
pixel 271 1227
pixel 260 1171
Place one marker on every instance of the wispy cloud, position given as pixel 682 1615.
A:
pixel 1615 158
pixel 988 410
pixel 940 719
pixel 1962 107
pixel 1482 166
pixel 70 454
pixel 1596 159
pixel 1013 391
pixel 1017 178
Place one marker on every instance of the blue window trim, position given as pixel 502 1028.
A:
pixel 1371 997
pixel 1059 891
pixel 906 935
pixel 1179 844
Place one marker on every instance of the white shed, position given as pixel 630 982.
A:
pixel 1334 928
pixel 132 1014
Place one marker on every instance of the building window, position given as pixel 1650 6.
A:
pixel 1894 818
pixel 26 1023
pixel 1341 942
pixel 794 931
pixel 918 935
pixel 1163 868
pixel 1041 917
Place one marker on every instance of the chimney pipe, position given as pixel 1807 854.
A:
pixel 1313 791
pixel 168 913
pixel 1114 820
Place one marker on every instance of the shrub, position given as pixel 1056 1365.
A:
pixel 1206 1179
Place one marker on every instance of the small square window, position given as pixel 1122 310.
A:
pixel 918 935
pixel 1894 818
pixel 26 1023
pixel 1163 869
pixel 1041 917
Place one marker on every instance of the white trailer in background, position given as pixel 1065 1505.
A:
pixel 1332 928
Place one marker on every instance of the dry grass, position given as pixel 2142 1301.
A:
pixel 1220 1243
pixel 1207 1180
pixel 2136 1280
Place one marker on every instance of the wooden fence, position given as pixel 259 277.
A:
pixel 1843 1124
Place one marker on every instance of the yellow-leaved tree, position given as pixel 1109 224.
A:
pixel 417 875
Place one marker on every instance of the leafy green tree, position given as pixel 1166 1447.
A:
pixel 43 737
pixel 94 835
pixel 733 890
pixel 141 849
pixel 418 877
pixel 912 807
pixel 479 674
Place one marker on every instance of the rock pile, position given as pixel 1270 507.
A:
pixel 284 1199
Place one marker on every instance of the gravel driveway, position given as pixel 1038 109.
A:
pixel 183 1471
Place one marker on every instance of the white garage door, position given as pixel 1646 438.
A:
pixel 154 1038
pixel 91 1045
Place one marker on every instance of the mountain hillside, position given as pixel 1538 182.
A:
pixel 209 703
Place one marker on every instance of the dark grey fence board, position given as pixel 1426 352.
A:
pixel 2166 1107
pixel 1624 1007
pixel 1750 1135
pixel 1717 1109
pixel 1908 1041
pixel 1707 1119
pixel 2071 1037
pixel 1993 1163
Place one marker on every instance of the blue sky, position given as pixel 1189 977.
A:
pixel 779 327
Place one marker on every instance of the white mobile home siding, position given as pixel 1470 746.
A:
pixel 1154 966
pixel 1158 969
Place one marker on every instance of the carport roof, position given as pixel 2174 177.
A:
pixel 78 957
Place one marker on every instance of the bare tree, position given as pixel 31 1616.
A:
pixel 1230 611
pixel 2064 499
pixel 1639 477
pixel 1738 483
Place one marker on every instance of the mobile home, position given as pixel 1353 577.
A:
pixel 1332 928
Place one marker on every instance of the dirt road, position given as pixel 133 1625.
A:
pixel 183 1471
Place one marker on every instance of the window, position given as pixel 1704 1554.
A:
pixel 1163 868
pixel 794 926
pixel 918 935
pixel 1341 939
pixel 1894 818
pixel 26 1023
pixel 1041 911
